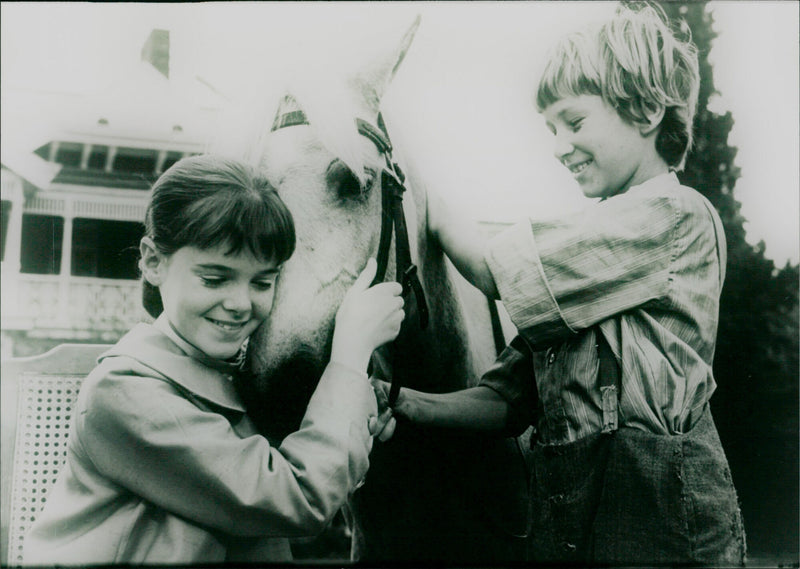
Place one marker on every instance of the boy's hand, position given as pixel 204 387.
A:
pixel 368 318
pixel 384 425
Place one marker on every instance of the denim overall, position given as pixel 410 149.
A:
pixel 625 496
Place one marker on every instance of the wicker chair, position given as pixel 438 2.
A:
pixel 37 397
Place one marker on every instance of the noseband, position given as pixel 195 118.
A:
pixel 393 219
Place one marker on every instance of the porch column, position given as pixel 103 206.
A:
pixel 66 266
pixel 85 155
pixel 112 153
pixel 12 192
pixel 162 157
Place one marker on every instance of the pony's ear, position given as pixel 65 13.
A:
pixel 373 79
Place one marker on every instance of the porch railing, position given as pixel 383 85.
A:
pixel 82 305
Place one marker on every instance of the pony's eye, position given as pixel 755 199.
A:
pixel 341 179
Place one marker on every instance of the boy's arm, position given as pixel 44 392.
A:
pixel 477 408
pixel 504 402
pixel 463 242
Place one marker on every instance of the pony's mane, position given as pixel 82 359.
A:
pixel 328 102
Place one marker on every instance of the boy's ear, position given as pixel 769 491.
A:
pixel 653 116
pixel 152 263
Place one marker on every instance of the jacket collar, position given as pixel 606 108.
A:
pixel 158 347
pixel 666 179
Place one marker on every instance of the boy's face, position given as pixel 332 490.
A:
pixel 213 300
pixel 605 154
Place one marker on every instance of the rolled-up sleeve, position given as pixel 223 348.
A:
pixel 512 377
pixel 143 435
pixel 559 276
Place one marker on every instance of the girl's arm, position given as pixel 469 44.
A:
pixel 463 242
pixel 142 433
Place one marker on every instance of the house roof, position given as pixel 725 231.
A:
pixel 99 178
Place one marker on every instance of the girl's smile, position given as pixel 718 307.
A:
pixel 232 326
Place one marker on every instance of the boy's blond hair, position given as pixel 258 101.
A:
pixel 635 63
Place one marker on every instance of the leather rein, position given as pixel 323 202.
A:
pixel 393 219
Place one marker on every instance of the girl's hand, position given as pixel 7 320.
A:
pixel 368 318
pixel 384 424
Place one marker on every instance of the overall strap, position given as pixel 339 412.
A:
pixel 610 382
pixel 609 379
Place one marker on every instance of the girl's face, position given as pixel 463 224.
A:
pixel 213 300
pixel 605 154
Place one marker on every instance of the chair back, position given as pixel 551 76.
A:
pixel 38 394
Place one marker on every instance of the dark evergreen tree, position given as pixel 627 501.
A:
pixel 756 363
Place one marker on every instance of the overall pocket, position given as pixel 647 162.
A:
pixel 566 484
pixel 667 500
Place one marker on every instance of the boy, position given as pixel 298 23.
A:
pixel 617 310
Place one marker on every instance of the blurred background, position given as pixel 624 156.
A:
pixel 98 98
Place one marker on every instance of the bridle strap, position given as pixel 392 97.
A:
pixel 376 135
pixel 393 218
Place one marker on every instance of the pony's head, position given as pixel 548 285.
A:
pixel 329 175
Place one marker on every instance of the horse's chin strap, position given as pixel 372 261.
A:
pixel 393 218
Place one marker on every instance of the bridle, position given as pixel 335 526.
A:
pixel 393 219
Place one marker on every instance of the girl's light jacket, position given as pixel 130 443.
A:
pixel 163 465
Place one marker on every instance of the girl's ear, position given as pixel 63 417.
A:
pixel 152 263
pixel 653 116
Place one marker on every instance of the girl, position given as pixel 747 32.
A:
pixel 163 465
pixel 617 311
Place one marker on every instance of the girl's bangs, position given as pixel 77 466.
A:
pixel 265 233
pixel 264 229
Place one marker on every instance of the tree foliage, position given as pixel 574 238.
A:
pixel 756 363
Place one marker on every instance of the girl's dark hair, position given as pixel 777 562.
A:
pixel 207 200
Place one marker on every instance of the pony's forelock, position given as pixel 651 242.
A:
pixel 332 112
pixel 245 126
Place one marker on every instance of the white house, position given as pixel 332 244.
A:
pixel 76 167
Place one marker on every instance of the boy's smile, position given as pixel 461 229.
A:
pixel 213 300
pixel 605 154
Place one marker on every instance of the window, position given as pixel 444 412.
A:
pixel 127 160
pixel 172 157
pixel 42 240
pixel 105 248
pixel 135 161
pixel 97 158
pixel 5 212
pixel 69 154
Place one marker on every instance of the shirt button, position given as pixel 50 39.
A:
pixel 552 358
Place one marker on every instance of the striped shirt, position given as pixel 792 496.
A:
pixel 645 269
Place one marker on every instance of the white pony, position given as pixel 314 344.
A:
pixel 429 495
